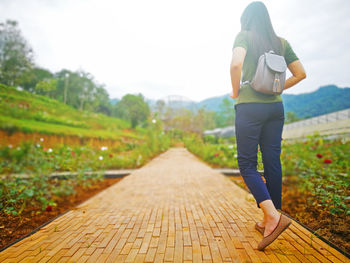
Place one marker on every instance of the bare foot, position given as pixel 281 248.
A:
pixel 263 222
pixel 271 224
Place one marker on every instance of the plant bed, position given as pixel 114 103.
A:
pixel 297 204
pixel 316 180
pixel 14 227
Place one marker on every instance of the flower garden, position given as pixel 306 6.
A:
pixel 29 197
pixel 316 180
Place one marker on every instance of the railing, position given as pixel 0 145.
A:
pixel 327 118
pixel 331 117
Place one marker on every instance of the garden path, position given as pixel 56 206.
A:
pixel 175 208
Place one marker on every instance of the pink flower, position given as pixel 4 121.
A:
pixel 216 154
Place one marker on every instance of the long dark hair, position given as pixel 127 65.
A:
pixel 262 38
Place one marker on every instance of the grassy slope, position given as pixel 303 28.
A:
pixel 27 112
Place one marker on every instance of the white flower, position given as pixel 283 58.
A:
pixel 49 150
pixel 10 146
pixel 104 148
pixel 235 155
pixel 41 139
pixel 18 148
pixel 100 157
pixel 230 146
pixel 154 121
pixel 38 145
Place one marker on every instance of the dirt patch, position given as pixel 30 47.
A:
pixel 51 140
pixel 15 227
pixel 335 228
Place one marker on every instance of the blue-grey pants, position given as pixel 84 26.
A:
pixel 260 124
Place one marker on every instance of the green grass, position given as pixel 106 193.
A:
pixel 27 112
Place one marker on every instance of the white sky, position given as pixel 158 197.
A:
pixel 182 47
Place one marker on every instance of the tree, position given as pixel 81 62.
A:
pixel 16 56
pixel 101 102
pixel 46 87
pixel 75 89
pixel 207 119
pixel 132 108
pixel 30 78
pixel 291 117
pixel 160 108
pixel 188 121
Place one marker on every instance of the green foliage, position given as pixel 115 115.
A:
pixel 79 90
pixel 184 119
pixel 291 117
pixel 15 54
pixel 317 166
pixel 32 76
pixel 46 87
pixel 325 100
pixel 36 161
pixel 213 150
pixel 132 108
pixel 320 167
pixel 27 112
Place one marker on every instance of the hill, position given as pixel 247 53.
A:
pixel 28 112
pixel 324 100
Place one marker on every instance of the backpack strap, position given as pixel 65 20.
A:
pixel 283 46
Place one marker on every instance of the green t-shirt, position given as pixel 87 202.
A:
pixel 247 93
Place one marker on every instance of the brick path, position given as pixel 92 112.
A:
pixel 176 209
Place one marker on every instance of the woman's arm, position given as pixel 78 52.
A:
pixel 298 74
pixel 238 56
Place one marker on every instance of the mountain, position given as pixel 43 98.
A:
pixel 325 100
pixel 213 103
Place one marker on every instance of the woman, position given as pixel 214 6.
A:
pixel 260 117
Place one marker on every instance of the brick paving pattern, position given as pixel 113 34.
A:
pixel 174 209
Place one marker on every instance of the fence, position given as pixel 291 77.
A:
pixel 331 117
pixel 301 125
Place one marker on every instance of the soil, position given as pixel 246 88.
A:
pixel 334 228
pixel 52 140
pixel 13 228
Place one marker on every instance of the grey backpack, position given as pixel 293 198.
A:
pixel 270 74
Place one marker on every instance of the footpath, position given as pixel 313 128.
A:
pixel 174 209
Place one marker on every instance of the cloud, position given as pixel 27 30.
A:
pixel 180 47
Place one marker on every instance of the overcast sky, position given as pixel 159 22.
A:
pixel 180 47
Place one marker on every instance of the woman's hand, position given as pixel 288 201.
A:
pixel 238 56
pixel 231 95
